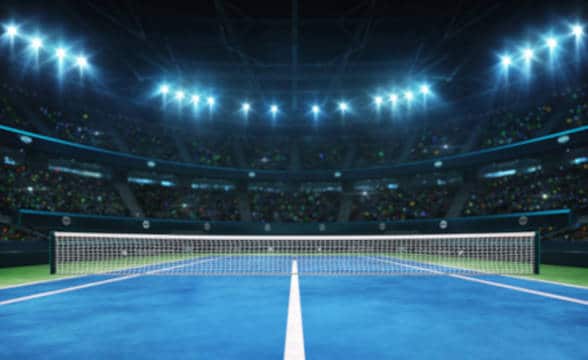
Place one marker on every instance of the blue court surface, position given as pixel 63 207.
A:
pixel 246 317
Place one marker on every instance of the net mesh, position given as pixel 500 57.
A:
pixel 94 253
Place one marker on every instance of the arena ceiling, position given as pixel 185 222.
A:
pixel 296 49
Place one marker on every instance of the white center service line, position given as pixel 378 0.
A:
pixel 95 283
pixel 492 283
pixel 294 348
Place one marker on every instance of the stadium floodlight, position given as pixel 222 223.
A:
pixel 506 61
pixel 36 43
pixel 378 100
pixel 164 89
pixel 195 99
pixel 274 109
pixel 343 107
pixel 425 89
pixel 577 31
pixel 245 107
pixel 528 54
pixel 11 31
pixel 315 109
pixel 408 95
pixel 551 43
pixel 82 62
pixel 180 95
pixel 210 101
pixel 60 53
pixel 393 99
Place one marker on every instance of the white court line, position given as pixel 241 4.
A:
pixel 294 348
pixel 70 277
pixel 493 283
pixel 552 282
pixel 31 283
pixel 93 284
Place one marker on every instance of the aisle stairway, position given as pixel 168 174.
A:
pixel 129 199
pixel 460 200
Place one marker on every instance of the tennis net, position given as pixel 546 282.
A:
pixel 150 254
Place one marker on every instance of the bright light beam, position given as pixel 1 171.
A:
pixel 551 43
pixel 577 31
pixel 506 61
pixel 425 89
pixel 180 95
pixel 210 101
pixel 82 62
pixel 36 43
pixel 378 101
pixel 245 107
pixel 528 54
pixel 409 96
pixel 274 109
pixel 11 31
pixel 60 53
pixel 343 107
pixel 393 99
pixel 195 99
pixel 164 89
pixel 315 109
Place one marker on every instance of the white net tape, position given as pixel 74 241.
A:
pixel 93 253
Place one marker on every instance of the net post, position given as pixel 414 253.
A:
pixel 52 254
pixel 537 252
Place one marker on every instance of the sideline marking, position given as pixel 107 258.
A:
pixel 95 283
pixel 493 283
pixel 552 282
pixel 39 282
pixel 294 348
pixel 74 276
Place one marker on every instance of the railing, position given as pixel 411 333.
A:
pixel 529 221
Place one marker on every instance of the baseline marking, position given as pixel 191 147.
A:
pixel 95 283
pixel 493 283
pixel 294 347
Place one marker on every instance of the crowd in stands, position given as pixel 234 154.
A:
pixel 394 204
pixel 37 188
pixel 210 152
pixel 76 126
pixel 576 102
pixel 41 189
pixel 9 112
pixel 581 233
pixel 510 126
pixel 322 152
pixel 148 139
pixel 29 110
pixel 268 154
pixel 377 152
pixel 434 140
pixel 23 187
pixel 530 192
pixel 8 232
pixel 181 202
pixel 295 206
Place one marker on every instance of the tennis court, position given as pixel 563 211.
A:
pixel 450 315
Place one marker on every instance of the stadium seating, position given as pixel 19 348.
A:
pixel 9 112
pixel 394 204
pixel 26 184
pixel 35 188
pixel 531 192
pixel 297 206
pixel 182 202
